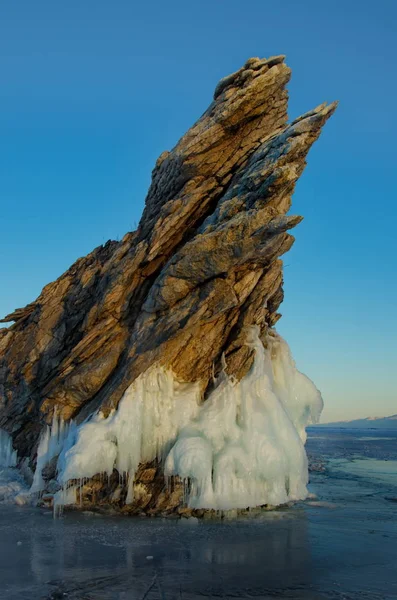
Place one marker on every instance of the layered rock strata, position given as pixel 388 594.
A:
pixel 181 291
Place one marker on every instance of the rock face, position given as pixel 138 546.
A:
pixel 181 290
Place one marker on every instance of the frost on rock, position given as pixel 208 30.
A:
pixel 242 448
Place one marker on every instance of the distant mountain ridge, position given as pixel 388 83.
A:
pixel 368 423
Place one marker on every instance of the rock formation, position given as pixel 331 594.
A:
pixel 180 291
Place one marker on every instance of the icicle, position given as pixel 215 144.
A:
pixel 242 448
pixel 245 448
pixel 130 491
pixel 66 496
pixel 8 456
pixel 150 415
pixel 53 440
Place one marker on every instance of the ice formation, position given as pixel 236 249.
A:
pixel 12 484
pixel 51 443
pixel 243 447
pixel 152 411
pixel 13 489
pixel 246 447
pixel 8 456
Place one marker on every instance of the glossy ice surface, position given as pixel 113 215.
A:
pixel 342 544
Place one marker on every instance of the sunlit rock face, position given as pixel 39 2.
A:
pixel 160 349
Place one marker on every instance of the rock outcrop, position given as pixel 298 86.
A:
pixel 180 291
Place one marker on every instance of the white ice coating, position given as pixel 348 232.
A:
pixel 51 443
pixel 12 484
pixel 243 447
pixel 66 496
pixel 8 456
pixel 246 447
pixel 151 413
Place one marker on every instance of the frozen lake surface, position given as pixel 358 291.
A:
pixel 340 544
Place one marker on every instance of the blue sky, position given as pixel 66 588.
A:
pixel 92 92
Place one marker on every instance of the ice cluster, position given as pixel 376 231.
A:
pixel 149 417
pixel 12 484
pixel 8 456
pixel 243 447
pixel 51 444
pixel 246 446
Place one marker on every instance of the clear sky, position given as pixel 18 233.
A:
pixel 93 91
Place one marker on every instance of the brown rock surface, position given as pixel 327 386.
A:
pixel 203 264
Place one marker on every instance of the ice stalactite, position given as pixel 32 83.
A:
pixel 243 447
pixel 51 443
pixel 66 496
pixel 12 484
pixel 151 413
pixel 246 447
pixel 8 456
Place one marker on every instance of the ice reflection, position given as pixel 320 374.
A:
pixel 307 552
pixel 108 557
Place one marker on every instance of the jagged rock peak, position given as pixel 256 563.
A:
pixel 203 265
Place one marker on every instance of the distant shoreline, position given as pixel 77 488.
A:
pixel 368 423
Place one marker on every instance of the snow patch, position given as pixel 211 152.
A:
pixel 319 504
